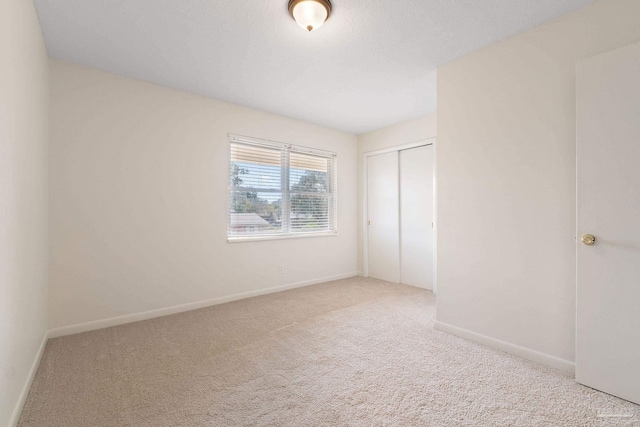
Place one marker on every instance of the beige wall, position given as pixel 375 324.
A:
pixel 506 176
pixel 139 177
pixel 399 134
pixel 24 118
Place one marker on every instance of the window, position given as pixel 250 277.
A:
pixel 280 190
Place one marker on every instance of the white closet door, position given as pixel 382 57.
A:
pixel 608 147
pixel 383 217
pixel 416 217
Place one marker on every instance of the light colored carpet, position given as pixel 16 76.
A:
pixel 355 352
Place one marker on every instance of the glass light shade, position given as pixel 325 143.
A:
pixel 310 14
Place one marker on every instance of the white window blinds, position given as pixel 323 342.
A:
pixel 280 190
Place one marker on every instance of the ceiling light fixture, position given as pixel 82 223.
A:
pixel 310 14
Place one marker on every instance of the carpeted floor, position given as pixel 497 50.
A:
pixel 355 352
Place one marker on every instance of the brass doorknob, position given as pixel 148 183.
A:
pixel 589 239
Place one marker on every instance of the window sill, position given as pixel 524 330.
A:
pixel 240 239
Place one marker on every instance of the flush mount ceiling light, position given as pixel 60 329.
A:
pixel 310 14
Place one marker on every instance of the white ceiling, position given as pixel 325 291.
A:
pixel 371 65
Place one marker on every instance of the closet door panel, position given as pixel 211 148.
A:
pixel 416 217
pixel 383 217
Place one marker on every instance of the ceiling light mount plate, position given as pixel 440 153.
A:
pixel 310 14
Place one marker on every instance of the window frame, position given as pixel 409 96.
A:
pixel 286 150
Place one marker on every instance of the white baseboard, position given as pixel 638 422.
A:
pixel 22 398
pixel 114 321
pixel 525 353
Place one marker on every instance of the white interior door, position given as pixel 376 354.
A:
pixel 608 161
pixel 383 217
pixel 416 217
